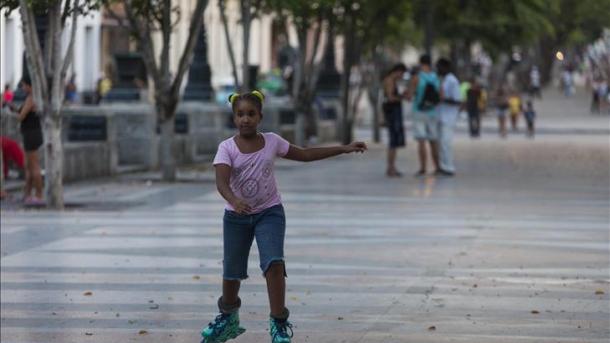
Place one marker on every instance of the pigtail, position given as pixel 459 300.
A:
pixel 259 95
pixel 233 97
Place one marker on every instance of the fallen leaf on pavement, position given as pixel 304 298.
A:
pixel 432 328
pixel 599 292
pixel 143 332
pixel 535 312
pixel 88 294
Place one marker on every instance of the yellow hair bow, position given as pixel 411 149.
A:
pixel 258 95
pixel 233 97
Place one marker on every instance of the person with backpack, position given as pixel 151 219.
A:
pixel 424 92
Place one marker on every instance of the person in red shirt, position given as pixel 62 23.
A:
pixel 7 95
pixel 11 154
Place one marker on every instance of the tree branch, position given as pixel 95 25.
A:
pixel 143 35
pixel 225 25
pixel 66 12
pixel 70 53
pixel 57 89
pixel 48 46
pixel 166 31
pixel 257 9
pixel 316 41
pixel 33 53
pixel 187 54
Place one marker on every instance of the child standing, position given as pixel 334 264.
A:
pixel 530 116
pixel 245 179
pixel 514 106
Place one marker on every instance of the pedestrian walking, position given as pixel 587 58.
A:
pixel 501 109
pixel 245 179
pixel 102 87
pixel 473 96
pixel 567 81
pixel 535 83
pixel 599 91
pixel 424 92
pixel 448 111
pixel 514 107
pixel 530 117
pixel 392 111
pixel 70 95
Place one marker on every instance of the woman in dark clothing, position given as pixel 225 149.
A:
pixel 392 110
pixel 472 107
pixel 32 140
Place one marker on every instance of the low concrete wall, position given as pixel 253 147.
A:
pixel 87 160
pixel 102 140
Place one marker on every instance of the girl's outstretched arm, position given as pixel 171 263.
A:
pixel 296 153
pixel 223 175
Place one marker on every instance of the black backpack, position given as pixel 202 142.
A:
pixel 430 99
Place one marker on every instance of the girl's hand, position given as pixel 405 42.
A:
pixel 355 147
pixel 241 206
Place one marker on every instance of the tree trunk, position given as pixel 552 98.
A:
pixel 47 72
pixel 168 162
pixel 374 102
pixel 547 59
pixel 429 28
pixel 374 92
pixel 346 132
pixel 54 158
pixel 246 21
pixel 225 26
pixel 299 87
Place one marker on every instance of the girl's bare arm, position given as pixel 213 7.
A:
pixel 223 175
pixel 296 153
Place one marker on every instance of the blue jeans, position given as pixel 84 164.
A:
pixel 239 231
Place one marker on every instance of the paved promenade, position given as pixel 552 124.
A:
pixel 513 249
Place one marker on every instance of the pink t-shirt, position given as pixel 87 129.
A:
pixel 252 177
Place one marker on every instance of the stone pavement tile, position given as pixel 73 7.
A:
pixel 504 252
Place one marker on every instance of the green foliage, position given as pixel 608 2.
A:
pixel 303 13
pixel 580 21
pixel 152 11
pixel 498 25
pixel 384 23
pixel 41 6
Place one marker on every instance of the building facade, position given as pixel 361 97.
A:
pixel 100 36
pixel 86 63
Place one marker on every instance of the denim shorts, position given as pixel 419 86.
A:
pixel 239 231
